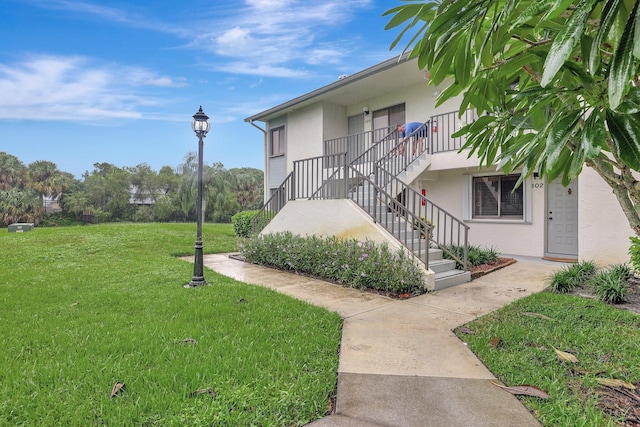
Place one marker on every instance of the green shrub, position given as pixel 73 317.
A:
pixel 568 278
pixel 360 265
pixel 634 252
pixel 611 285
pixel 476 255
pixel 143 214
pixel 58 219
pixel 561 281
pixel 242 223
pixel 262 218
pixel 621 271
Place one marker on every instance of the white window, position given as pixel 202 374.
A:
pixel 277 138
pixel 495 197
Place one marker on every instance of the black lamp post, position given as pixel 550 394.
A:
pixel 200 125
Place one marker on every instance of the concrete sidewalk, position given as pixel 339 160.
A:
pixel 400 363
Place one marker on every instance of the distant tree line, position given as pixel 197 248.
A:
pixel 109 193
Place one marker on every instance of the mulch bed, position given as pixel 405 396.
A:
pixel 621 403
pixel 483 269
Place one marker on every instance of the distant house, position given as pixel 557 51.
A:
pixel 138 198
pixel 51 204
pixel 335 164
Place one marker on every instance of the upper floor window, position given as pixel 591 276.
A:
pixel 495 196
pixel 277 137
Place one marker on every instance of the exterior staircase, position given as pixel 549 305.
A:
pixel 415 168
pixel 446 273
pixel 372 170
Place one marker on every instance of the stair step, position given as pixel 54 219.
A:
pixel 421 245
pixel 434 254
pixel 451 278
pixel 442 265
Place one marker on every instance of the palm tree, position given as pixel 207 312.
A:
pixel 248 189
pixel 12 172
pixel 46 179
pixel 17 205
pixel 77 203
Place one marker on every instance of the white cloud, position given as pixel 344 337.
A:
pixel 325 56
pixel 273 35
pixel 261 70
pixel 131 19
pixel 73 88
pixel 268 4
pixel 276 36
pixel 234 42
pixel 141 77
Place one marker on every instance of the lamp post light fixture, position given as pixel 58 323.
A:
pixel 200 125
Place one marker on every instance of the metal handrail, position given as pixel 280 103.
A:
pixel 442 126
pixel 312 176
pixel 272 206
pixel 405 226
pixel 403 154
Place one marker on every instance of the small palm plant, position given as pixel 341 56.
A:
pixel 612 284
pixel 420 225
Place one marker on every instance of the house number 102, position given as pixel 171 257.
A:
pixel 538 185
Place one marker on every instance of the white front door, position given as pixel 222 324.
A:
pixel 562 220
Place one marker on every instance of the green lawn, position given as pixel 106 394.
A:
pixel 604 339
pixel 82 308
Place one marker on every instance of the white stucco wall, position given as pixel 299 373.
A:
pixel 334 121
pixel 603 228
pixel 304 134
pixel 452 160
pixel 419 100
pixel 516 237
pixel 340 218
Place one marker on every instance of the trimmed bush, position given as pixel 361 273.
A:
pixel 242 223
pixel 360 265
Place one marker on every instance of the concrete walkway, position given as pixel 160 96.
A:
pixel 400 363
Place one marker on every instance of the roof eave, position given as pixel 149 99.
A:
pixel 265 115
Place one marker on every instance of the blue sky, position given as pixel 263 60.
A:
pixel 83 82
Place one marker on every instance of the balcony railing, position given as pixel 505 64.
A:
pixel 355 145
pixel 443 126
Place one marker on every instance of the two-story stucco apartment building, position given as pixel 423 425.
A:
pixel 356 113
